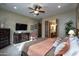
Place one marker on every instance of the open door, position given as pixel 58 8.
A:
pixel 51 28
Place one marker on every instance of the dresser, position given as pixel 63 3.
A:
pixel 4 37
pixel 20 37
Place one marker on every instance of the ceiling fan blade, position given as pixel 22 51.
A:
pixel 36 7
pixel 31 12
pixel 37 14
pixel 39 7
pixel 42 11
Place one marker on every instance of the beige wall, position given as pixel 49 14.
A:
pixel 78 16
pixel 62 19
pixel 9 19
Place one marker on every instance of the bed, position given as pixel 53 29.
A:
pixel 50 52
pixel 28 44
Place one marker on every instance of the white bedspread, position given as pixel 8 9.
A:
pixel 74 48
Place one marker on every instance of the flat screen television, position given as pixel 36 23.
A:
pixel 21 26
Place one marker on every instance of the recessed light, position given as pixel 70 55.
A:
pixel 59 6
pixel 14 7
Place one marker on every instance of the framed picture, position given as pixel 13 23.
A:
pixel 32 27
pixel 35 26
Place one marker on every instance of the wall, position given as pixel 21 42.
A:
pixel 62 19
pixel 77 16
pixel 9 19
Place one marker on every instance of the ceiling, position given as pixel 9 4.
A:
pixel 50 8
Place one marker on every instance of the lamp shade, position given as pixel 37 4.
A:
pixel 71 32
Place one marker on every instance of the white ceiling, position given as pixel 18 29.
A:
pixel 51 8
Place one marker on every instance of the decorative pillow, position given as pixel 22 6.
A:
pixel 61 49
pixel 56 43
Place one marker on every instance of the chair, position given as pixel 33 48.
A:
pixel 33 36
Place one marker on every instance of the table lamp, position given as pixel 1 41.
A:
pixel 71 33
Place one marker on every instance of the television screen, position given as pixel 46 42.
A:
pixel 21 26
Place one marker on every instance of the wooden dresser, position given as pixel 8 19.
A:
pixel 20 37
pixel 4 37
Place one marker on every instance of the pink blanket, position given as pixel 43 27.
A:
pixel 41 48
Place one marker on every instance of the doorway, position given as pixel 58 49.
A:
pixel 51 28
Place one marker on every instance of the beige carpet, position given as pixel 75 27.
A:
pixel 12 50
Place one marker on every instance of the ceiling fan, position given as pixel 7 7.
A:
pixel 36 9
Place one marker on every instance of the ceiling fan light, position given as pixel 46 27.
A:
pixel 59 6
pixel 36 12
pixel 37 9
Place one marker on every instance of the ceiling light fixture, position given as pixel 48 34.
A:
pixel 37 9
pixel 14 7
pixel 59 6
pixel 36 12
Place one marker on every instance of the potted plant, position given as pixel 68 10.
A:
pixel 69 26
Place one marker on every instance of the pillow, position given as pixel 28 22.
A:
pixel 61 49
pixel 56 43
